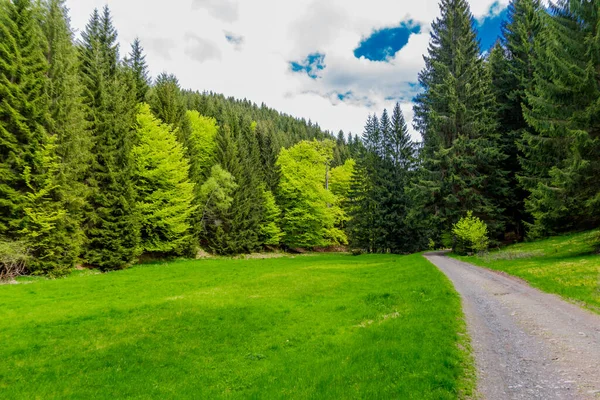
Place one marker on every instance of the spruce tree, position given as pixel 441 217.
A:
pixel 166 100
pixel 248 212
pixel 69 127
pixel 165 194
pixel 562 151
pixel 364 199
pixel 401 235
pixel 136 60
pixel 512 69
pixel 111 219
pixel 31 207
pixel 455 115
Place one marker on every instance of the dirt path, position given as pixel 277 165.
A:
pixel 527 344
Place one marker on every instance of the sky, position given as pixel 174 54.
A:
pixel 331 61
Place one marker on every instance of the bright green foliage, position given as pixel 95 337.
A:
pixel 201 145
pixel 200 149
pixel 462 154
pixel 112 219
pixel 271 234
pixel 562 153
pixel 137 62
pixel 340 179
pixel 471 235
pixel 165 194
pixel 31 207
pixel 332 322
pixel 310 211
pixel 215 199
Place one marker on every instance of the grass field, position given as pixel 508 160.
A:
pixel 565 265
pixel 309 327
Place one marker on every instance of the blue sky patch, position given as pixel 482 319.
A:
pixel 312 64
pixel 236 40
pixel 385 43
pixel 490 28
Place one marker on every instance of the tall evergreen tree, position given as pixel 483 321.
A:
pixel 364 199
pixel 512 69
pixel 31 207
pixel 166 100
pixel 136 60
pixel 401 235
pixel 562 151
pixel 112 219
pixel 73 139
pixel 455 115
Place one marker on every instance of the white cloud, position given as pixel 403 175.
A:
pixel 188 38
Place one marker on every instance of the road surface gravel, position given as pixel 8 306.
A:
pixel 527 344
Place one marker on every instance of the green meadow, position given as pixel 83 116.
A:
pixel 306 327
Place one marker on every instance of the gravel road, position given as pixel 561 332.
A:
pixel 527 344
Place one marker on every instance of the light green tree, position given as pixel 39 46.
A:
pixel 310 211
pixel 269 229
pixel 165 193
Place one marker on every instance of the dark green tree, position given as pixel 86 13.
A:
pixel 512 69
pixel 455 115
pixel 69 127
pixel 31 206
pixel 562 150
pixel 136 60
pixel 112 223
pixel 166 100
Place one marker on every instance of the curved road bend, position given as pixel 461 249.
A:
pixel 527 344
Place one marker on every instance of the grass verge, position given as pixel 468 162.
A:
pixel 566 265
pixel 318 327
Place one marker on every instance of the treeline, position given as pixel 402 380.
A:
pixel 100 164
pixel 513 136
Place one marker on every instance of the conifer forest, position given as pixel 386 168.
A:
pixel 102 164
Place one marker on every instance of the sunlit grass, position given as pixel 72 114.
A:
pixel 316 327
pixel 566 265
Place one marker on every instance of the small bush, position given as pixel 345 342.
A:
pixel 470 234
pixel 13 258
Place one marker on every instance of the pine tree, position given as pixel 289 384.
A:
pixel 165 194
pixel 112 219
pixel 30 192
pixel 562 151
pixel 137 62
pixel 455 115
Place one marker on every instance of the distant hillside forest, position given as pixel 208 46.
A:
pixel 100 163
